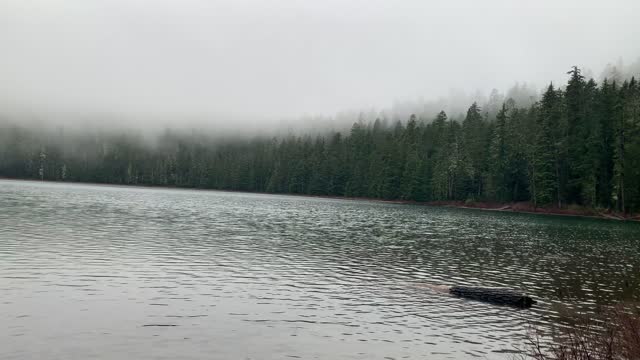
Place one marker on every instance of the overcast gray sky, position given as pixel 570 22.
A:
pixel 287 58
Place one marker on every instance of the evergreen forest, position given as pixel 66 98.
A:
pixel 578 145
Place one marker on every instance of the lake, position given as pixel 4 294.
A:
pixel 106 272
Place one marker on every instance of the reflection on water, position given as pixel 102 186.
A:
pixel 117 272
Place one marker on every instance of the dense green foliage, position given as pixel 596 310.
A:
pixel 577 145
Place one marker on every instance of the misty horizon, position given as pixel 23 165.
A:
pixel 455 104
pixel 287 64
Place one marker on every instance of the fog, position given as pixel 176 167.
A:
pixel 258 64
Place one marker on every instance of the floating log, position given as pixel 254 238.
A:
pixel 493 295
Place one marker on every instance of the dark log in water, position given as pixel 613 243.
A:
pixel 493 295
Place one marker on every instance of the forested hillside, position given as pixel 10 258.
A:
pixel 580 144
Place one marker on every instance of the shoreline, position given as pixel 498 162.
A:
pixel 514 207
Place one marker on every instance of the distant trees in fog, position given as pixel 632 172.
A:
pixel 580 144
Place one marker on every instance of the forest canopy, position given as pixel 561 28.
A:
pixel 579 144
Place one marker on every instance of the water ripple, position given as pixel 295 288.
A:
pixel 118 272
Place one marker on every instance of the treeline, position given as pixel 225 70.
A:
pixel 580 144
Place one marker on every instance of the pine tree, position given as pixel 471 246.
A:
pixel 498 157
pixel 547 150
pixel 474 148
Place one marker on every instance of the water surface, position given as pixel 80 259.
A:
pixel 102 272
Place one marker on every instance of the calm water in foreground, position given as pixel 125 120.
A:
pixel 98 272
